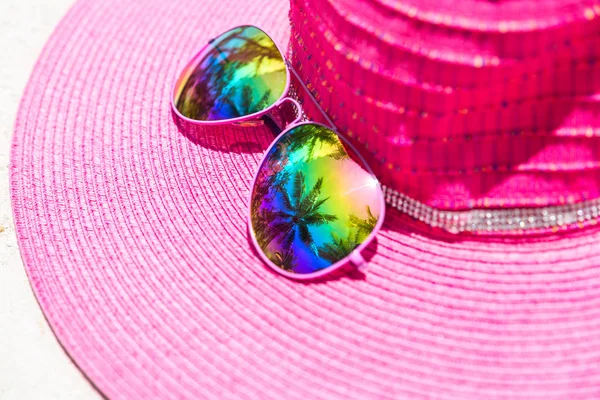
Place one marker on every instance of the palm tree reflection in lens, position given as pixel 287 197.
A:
pixel 300 211
pixel 238 74
pixel 313 201
pixel 339 248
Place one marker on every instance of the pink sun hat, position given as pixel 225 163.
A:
pixel 482 282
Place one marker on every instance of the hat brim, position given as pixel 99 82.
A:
pixel 133 233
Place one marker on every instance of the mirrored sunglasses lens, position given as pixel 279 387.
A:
pixel 313 201
pixel 238 74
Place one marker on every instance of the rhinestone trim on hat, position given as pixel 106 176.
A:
pixel 496 220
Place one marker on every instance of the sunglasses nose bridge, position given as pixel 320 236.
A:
pixel 300 116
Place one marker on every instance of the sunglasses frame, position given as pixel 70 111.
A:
pixel 355 257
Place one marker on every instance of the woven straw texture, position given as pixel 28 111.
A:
pixel 33 365
pixel 134 237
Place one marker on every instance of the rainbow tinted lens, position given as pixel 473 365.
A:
pixel 239 73
pixel 313 201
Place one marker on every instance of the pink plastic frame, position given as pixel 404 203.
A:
pixel 355 257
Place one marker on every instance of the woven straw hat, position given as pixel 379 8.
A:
pixel 134 235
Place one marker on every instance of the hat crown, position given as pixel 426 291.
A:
pixel 461 105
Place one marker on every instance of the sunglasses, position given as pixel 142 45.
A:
pixel 315 203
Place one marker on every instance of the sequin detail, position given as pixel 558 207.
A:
pixel 490 221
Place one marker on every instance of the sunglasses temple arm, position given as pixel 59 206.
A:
pixel 314 101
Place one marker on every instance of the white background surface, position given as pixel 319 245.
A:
pixel 32 363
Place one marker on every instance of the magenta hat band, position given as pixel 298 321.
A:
pixel 514 220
